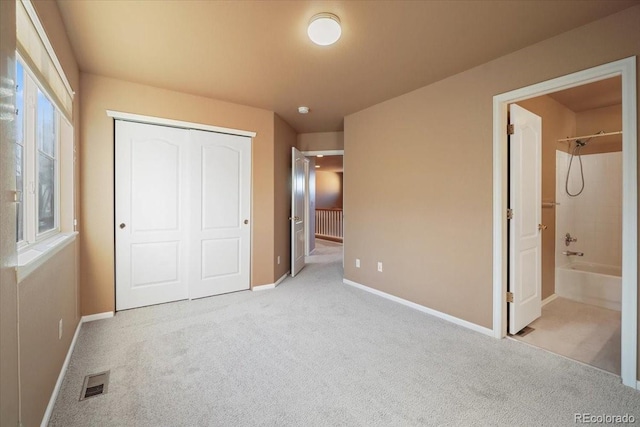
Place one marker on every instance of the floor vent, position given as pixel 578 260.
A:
pixel 95 385
pixel 526 331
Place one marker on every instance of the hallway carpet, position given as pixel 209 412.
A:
pixel 315 352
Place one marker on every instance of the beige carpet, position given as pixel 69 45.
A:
pixel 315 352
pixel 579 331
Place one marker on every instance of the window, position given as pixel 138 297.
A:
pixel 20 151
pixel 37 165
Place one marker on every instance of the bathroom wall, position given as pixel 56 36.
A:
pixel 608 119
pixel 595 216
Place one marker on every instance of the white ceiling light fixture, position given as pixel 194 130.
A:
pixel 303 110
pixel 324 29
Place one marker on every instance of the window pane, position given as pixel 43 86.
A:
pixel 20 188
pixel 20 103
pixel 46 193
pixel 46 125
pixel 19 151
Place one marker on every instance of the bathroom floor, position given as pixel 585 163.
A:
pixel 579 331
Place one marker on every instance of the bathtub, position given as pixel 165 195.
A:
pixel 593 284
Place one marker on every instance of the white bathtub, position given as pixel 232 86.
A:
pixel 593 284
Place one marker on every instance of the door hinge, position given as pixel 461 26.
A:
pixel 509 296
pixel 509 213
pixel 511 129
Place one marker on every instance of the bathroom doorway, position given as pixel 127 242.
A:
pixel 581 210
pixel 587 227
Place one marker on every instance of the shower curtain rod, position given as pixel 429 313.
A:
pixel 590 136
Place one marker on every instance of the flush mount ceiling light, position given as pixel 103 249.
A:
pixel 324 29
pixel 303 110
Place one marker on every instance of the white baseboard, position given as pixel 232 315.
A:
pixel 548 299
pixel 63 371
pixel 263 287
pixel 97 316
pixel 270 285
pixel 447 317
pixel 284 276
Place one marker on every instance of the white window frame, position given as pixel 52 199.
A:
pixel 30 199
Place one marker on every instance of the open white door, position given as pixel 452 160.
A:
pixel 525 201
pixel 220 168
pixel 151 229
pixel 297 211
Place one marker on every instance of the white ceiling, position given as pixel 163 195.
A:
pixel 257 53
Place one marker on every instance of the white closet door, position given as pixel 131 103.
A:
pixel 150 226
pixel 220 212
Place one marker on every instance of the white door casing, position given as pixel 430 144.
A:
pixel 220 169
pixel 151 228
pixel 525 200
pixel 297 211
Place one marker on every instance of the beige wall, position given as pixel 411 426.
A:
pixel 557 122
pixel 97 174
pixel 284 138
pixel 328 190
pixel 320 141
pixel 9 396
pixel 46 296
pixel 51 292
pixel 435 237
pixel 593 121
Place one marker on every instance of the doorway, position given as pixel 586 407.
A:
pixel 324 198
pixel 625 69
pixel 578 315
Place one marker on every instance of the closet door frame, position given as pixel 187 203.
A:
pixel 117 115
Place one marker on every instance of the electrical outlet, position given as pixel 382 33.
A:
pixel 357 262
pixel 60 329
pixel 278 259
pixel 380 267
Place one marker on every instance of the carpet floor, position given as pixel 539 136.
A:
pixel 315 352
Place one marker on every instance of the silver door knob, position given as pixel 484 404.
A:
pixel 542 227
pixel 122 225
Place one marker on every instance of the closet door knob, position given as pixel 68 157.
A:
pixel 246 221
pixel 122 225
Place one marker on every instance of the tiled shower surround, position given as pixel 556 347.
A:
pixel 595 216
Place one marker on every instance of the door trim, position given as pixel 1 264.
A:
pixel 626 68
pixel 151 120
